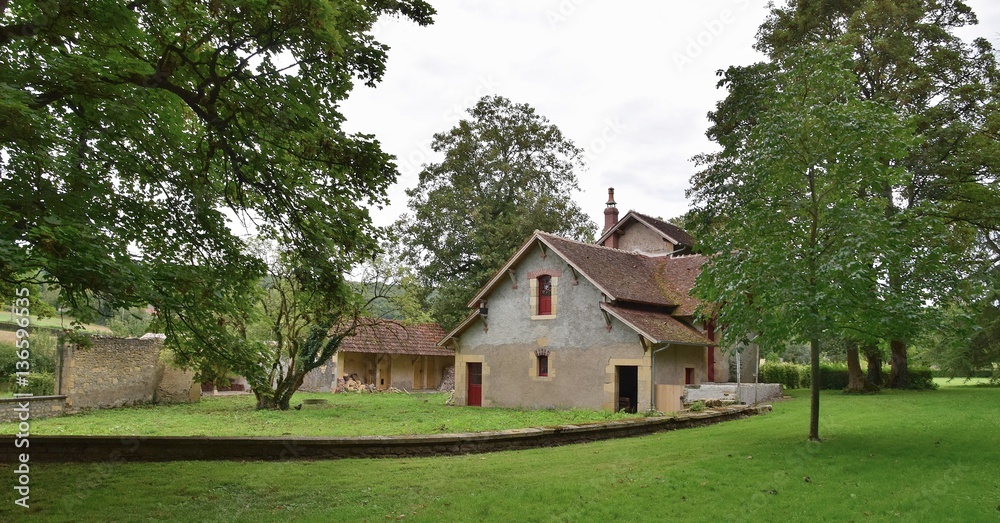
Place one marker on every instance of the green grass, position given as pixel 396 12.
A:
pixel 346 415
pixel 898 456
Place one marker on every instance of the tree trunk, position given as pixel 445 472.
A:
pixel 814 391
pixel 855 378
pixel 899 375
pixel 267 401
pixel 874 378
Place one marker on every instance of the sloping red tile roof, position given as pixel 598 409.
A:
pixel 623 276
pixel 658 327
pixel 675 277
pixel 389 337
pixel 634 282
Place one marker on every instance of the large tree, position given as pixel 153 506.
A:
pixel 507 171
pixel 797 256
pixel 133 135
pixel 905 54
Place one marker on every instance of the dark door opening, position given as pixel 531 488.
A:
pixel 628 387
pixel 475 376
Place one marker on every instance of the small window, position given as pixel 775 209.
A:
pixel 545 295
pixel 543 365
pixel 689 376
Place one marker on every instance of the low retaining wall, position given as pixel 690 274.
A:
pixel 748 393
pixel 38 407
pixel 170 448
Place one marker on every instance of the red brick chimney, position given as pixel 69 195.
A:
pixel 611 219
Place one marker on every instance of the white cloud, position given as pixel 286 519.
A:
pixel 644 69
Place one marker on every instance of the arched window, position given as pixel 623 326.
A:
pixel 544 295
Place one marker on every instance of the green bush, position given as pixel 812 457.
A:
pixel 921 378
pixel 832 376
pixel 41 361
pixel 789 375
pixel 39 384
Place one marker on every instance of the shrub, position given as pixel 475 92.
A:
pixel 789 375
pixel 832 376
pixel 697 406
pixel 39 384
pixel 921 378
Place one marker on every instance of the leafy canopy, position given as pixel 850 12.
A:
pixel 805 236
pixel 133 134
pixel 507 172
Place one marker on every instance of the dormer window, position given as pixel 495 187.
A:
pixel 544 296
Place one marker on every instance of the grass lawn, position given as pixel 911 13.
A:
pixel 898 456
pixel 346 415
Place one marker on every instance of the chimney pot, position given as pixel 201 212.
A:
pixel 611 219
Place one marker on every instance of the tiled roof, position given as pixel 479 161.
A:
pixel 675 277
pixel 396 338
pixel 623 276
pixel 658 327
pixel 634 282
pixel 667 229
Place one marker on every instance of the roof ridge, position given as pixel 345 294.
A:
pixel 594 245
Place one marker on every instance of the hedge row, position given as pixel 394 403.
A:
pixel 831 376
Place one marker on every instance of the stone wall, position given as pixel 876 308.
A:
pixel 112 372
pixel 322 378
pixel 37 407
pixel 748 393
pixel 175 385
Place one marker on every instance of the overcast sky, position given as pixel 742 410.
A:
pixel 629 82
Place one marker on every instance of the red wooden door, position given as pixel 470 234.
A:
pixel 475 378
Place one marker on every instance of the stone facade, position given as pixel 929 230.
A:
pixel 637 237
pixel 175 385
pixel 584 355
pixel 109 373
pixel 112 372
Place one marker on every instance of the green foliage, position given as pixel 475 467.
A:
pixel 39 384
pixel 507 172
pixel 833 376
pixel 133 322
pixel 134 133
pixel 697 406
pixel 799 252
pixel 41 360
pixel 906 55
pixel 789 375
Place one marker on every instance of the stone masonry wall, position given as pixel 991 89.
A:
pixel 110 373
pixel 175 385
pixel 37 407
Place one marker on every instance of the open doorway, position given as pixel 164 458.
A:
pixel 627 377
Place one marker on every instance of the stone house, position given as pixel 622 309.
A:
pixel 607 326
pixel 387 354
